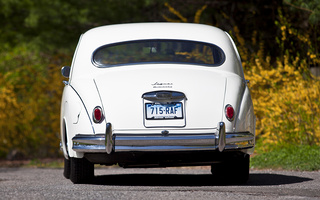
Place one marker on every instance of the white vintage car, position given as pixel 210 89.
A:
pixel 156 95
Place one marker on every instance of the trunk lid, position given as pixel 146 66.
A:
pixel 121 90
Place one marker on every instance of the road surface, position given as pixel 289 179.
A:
pixel 160 183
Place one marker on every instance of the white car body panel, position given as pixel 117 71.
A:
pixel 127 90
pixel 118 90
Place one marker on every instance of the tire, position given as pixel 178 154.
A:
pixel 81 170
pixel 67 162
pixel 235 170
pixel 67 169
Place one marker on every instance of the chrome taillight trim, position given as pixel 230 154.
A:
pixel 93 115
pixel 225 111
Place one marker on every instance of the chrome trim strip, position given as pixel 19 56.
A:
pixel 65 82
pixel 238 137
pixel 89 148
pixel 157 142
pixel 239 140
pixel 169 140
pixel 98 139
pixel 163 148
pixel 222 136
pixel 108 138
pixel 163 95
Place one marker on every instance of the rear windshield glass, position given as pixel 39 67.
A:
pixel 158 51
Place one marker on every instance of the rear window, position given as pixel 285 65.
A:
pixel 158 51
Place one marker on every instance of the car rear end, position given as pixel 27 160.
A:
pixel 173 107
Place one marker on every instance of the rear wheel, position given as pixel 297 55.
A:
pixel 235 170
pixel 67 162
pixel 81 170
pixel 66 172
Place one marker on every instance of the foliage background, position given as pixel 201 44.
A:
pixel 278 41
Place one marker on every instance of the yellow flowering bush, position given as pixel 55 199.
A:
pixel 30 94
pixel 286 96
pixel 180 16
pixel 286 102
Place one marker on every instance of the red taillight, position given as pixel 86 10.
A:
pixel 97 114
pixel 229 112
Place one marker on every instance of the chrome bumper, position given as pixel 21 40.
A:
pixel 163 142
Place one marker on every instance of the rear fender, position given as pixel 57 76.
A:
pixel 235 87
pixel 74 120
pixel 246 117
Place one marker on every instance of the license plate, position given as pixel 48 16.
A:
pixel 164 111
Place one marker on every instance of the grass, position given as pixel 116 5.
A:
pixel 46 163
pixel 302 158
pixel 32 163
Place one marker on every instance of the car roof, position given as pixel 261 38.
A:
pixel 138 31
pixel 109 34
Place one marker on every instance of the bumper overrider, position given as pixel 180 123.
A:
pixel 108 142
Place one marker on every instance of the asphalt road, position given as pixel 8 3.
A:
pixel 162 183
